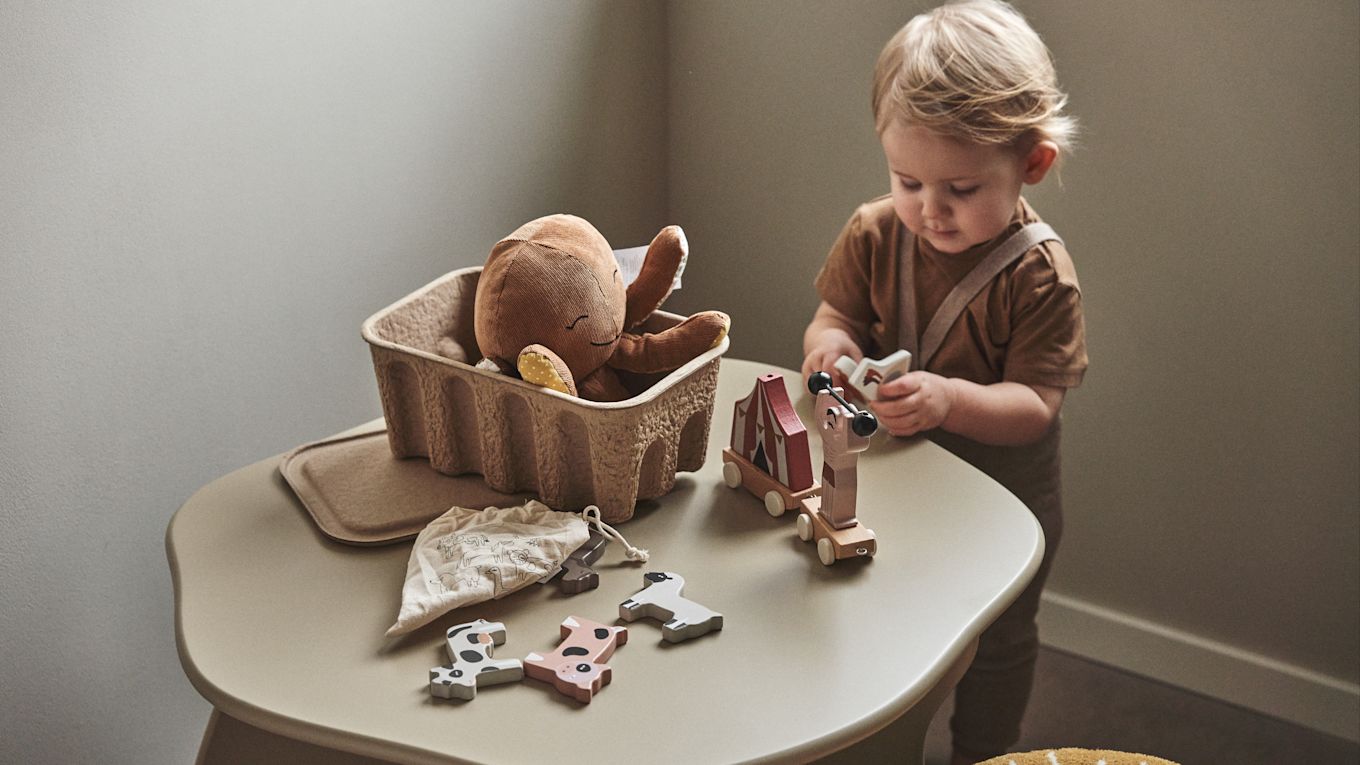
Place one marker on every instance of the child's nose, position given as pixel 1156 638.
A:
pixel 932 206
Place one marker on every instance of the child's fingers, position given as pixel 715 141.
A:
pixel 824 361
pixel 895 406
pixel 818 361
pixel 914 401
pixel 900 387
pixel 813 368
pixel 901 425
pixel 891 410
pixel 813 363
pixel 888 391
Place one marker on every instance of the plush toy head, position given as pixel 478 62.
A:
pixel 551 304
pixel 554 282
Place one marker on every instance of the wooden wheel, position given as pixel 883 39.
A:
pixel 774 503
pixel 731 475
pixel 826 551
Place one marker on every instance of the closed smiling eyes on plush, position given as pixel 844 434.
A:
pixel 602 343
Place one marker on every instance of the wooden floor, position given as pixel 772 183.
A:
pixel 1084 704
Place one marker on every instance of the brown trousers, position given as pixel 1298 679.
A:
pixel 990 700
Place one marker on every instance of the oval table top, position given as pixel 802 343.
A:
pixel 282 628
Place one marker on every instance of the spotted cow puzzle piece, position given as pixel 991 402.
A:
pixel 660 599
pixel 470 647
pixel 576 573
pixel 577 667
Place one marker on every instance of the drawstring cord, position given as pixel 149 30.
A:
pixel 592 517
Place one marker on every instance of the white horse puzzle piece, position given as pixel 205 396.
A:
pixel 660 599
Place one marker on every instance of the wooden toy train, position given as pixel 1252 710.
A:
pixel 769 456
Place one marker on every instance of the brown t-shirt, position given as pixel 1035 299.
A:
pixel 1026 326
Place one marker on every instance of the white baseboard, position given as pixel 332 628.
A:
pixel 1205 666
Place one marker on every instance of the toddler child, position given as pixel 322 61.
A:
pixel 956 267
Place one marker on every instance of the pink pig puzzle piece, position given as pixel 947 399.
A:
pixel 577 667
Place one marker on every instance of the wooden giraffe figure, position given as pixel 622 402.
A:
pixel 829 519
pixel 842 442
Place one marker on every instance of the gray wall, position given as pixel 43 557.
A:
pixel 199 204
pixel 1213 212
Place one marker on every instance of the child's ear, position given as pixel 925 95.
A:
pixel 1038 160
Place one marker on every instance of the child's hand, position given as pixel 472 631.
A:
pixel 823 359
pixel 914 402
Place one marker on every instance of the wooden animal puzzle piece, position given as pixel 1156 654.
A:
pixel 868 374
pixel 470 647
pixel 577 667
pixel 576 572
pixel 660 599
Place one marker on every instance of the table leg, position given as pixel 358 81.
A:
pixel 228 741
pixel 904 739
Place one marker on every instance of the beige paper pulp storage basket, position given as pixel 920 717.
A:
pixel 522 438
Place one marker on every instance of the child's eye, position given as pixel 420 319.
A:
pixel 909 185
pixel 964 192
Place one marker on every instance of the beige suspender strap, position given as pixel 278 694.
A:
pixel 963 293
pixel 906 297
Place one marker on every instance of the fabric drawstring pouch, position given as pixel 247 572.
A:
pixel 468 556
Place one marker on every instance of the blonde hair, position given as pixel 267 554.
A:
pixel 975 70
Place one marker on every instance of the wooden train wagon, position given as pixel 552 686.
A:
pixel 769 453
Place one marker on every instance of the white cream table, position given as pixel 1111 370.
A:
pixel 281 629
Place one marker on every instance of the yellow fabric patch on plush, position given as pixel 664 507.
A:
pixel 721 335
pixel 537 369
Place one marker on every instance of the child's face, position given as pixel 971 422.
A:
pixel 954 193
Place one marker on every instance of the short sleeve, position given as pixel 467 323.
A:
pixel 845 279
pixel 1048 332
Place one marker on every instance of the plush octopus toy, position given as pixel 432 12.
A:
pixel 552 306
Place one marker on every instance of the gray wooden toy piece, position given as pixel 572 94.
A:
pixel 660 599
pixel 470 647
pixel 576 573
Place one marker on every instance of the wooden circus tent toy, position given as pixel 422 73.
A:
pixel 769 450
pixel 829 519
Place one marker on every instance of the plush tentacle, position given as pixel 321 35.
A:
pixel 671 348
pixel 665 257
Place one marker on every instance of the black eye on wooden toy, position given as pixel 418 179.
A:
pixel 864 423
